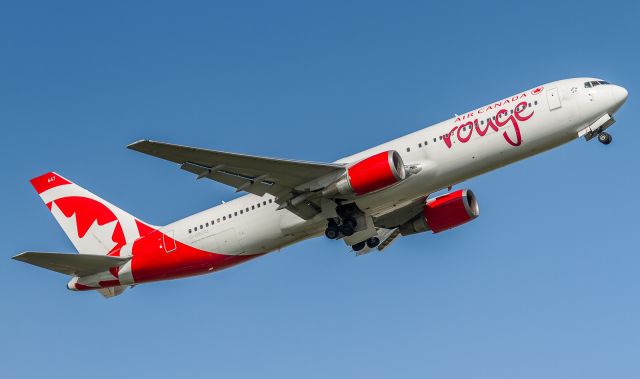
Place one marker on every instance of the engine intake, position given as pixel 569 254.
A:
pixel 370 174
pixel 444 212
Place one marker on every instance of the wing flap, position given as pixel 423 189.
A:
pixel 255 185
pixel 71 264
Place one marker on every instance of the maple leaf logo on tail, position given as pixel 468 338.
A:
pixel 93 225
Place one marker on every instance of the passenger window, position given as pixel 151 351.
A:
pixel 434 139
pixel 230 216
pixel 224 218
pixel 247 209
pixel 207 224
pixel 420 145
pixel 218 220
pixel 270 201
pixel 264 202
pixel 408 149
pixel 425 143
pixel 258 205
pixel 201 227
pixel 535 102
pixel 189 231
pixel 241 211
pixel 481 122
pixel 253 207
pixel 235 213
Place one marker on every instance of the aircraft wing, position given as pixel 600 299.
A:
pixel 258 175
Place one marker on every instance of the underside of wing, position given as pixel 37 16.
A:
pixel 401 214
pixel 281 178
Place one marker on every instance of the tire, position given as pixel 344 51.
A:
pixel 347 230
pixel 331 232
pixel 373 242
pixel 605 138
pixel 350 221
pixel 359 246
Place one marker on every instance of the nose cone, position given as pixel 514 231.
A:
pixel 619 96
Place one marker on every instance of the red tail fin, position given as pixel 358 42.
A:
pixel 93 225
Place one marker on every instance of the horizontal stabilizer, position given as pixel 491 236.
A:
pixel 71 264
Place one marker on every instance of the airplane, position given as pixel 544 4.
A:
pixel 368 199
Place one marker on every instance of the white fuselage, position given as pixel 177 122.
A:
pixel 555 113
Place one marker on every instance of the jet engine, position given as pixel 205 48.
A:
pixel 368 175
pixel 444 212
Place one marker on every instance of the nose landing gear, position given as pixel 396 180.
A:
pixel 605 138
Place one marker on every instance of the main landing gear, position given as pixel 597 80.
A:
pixel 346 228
pixel 371 243
pixel 349 222
pixel 605 138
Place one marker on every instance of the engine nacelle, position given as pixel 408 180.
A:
pixel 444 212
pixel 370 174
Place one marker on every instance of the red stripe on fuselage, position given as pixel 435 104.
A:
pixel 151 262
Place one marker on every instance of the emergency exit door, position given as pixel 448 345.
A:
pixel 553 98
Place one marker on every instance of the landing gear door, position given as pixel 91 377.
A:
pixel 168 242
pixel 553 98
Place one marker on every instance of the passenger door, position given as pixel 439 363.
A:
pixel 168 241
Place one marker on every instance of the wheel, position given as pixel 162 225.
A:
pixel 348 226
pixel 359 246
pixel 347 229
pixel 350 221
pixel 332 231
pixel 373 242
pixel 605 138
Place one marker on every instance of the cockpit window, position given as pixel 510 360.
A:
pixel 594 83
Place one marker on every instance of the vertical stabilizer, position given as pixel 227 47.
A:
pixel 93 225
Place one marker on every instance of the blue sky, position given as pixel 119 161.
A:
pixel 544 284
